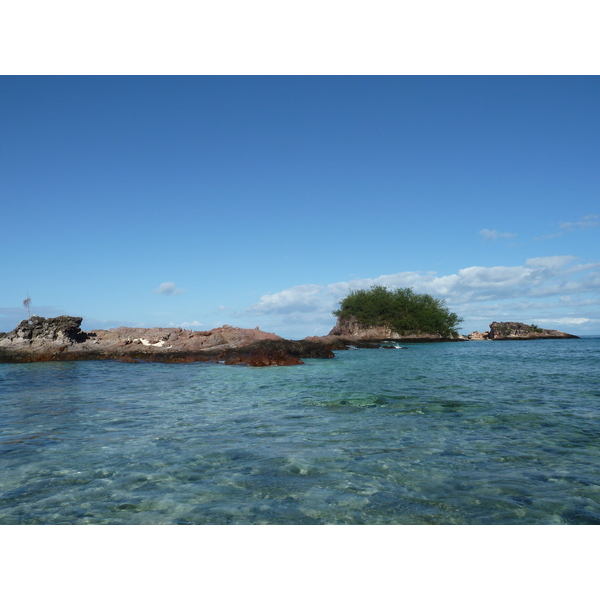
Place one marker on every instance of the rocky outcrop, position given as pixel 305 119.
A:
pixel 519 331
pixel 477 335
pixel 61 338
pixel 65 330
pixel 511 330
pixel 353 331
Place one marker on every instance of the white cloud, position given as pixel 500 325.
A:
pixel 549 262
pixel 486 234
pixel 168 289
pixel 192 324
pixel 543 287
pixel 300 298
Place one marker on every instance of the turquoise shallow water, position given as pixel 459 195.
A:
pixel 465 433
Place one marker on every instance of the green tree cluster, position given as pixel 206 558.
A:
pixel 402 310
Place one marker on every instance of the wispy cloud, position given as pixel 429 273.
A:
pixel 587 222
pixel 550 236
pixel 168 289
pixel 493 235
pixel 569 320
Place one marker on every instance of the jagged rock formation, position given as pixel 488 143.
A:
pixel 61 338
pixel 60 329
pixel 519 331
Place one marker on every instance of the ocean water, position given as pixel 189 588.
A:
pixel 454 433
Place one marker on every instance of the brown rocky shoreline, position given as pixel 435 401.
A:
pixel 61 339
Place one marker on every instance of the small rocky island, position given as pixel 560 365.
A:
pixel 519 331
pixel 379 314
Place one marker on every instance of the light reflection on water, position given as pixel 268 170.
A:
pixel 467 433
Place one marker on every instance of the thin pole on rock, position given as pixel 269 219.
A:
pixel 26 304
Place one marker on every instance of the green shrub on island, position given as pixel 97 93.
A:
pixel 402 310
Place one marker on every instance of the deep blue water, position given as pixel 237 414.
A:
pixel 465 433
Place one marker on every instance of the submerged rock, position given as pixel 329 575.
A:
pixel 281 353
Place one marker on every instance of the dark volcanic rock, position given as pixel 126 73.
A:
pixel 258 357
pixel 284 352
pixel 63 329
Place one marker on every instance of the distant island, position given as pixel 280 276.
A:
pixel 375 318
pixel 380 313
pixel 519 331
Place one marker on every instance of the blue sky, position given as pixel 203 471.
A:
pixel 198 201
